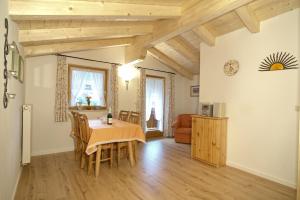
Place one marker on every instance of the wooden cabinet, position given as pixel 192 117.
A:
pixel 209 136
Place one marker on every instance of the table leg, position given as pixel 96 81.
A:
pixel 118 153
pixel 131 156
pixel 90 164
pixel 98 158
pixel 111 154
pixel 135 147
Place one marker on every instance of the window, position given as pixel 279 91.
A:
pixel 87 87
pixel 155 97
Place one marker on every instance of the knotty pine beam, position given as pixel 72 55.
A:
pixel 183 47
pixel 249 19
pixel 163 58
pixel 82 33
pixel 197 15
pixel 65 9
pixel 205 35
pixel 192 17
pixel 48 49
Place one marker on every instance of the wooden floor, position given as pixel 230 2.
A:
pixel 164 171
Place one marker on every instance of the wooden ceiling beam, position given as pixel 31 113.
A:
pixel 56 24
pixel 48 49
pixel 82 33
pixel 66 9
pixel 198 14
pixel 163 58
pixel 137 51
pixel 249 19
pixel 205 35
pixel 183 47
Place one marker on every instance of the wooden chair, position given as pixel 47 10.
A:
pixel 85 134
pixel 134 117
pixel 123 115
pixel 75 134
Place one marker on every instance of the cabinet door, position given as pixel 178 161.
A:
pixel 194 137
pixel 204 140
pixel 215 142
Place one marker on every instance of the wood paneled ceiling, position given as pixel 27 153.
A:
pixel 170 30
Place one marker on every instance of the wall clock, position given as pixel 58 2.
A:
pixel 231 67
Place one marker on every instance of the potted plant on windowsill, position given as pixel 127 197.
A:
pixel 88 100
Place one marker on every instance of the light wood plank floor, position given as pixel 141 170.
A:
pixel 164 171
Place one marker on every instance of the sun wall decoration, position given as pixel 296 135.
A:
pixel 278 61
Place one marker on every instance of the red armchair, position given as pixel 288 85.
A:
pixel 182 128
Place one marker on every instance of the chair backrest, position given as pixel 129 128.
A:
pixel 123 115
pixel 72 122
pixel 134 117
pixel 76 123
pixel 84 128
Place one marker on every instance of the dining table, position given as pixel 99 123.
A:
pixel 120 131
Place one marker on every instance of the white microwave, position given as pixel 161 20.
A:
pixel 206 109
pixel 212 110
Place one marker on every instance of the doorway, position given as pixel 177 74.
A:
pixel 155 101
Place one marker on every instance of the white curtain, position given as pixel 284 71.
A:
pixel 98 88
pixel 155 99
pixel 78 82
pixel 61 92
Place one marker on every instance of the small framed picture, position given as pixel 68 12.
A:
pixel 21 69
pixel 195 91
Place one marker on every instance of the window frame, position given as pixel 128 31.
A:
pixel 86 68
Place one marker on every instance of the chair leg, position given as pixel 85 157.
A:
pixel 80 149
pixel 90 164
pixel 111 154
pixel 82 161
pixel 77 150
pixel 131 158
pixel 134 150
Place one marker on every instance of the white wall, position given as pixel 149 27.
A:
pixel 262 127
pixel 10 120
pixel 50 137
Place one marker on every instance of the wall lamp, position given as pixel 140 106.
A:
pixel 127 73
pixel 10 95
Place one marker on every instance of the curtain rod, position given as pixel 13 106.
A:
pixel 101 61
pixel 157 70
pixel 80 58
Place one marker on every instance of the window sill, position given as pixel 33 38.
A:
pixel 87 108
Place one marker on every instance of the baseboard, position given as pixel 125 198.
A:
pixel 51 151
pixel 16 184
pixel 261 174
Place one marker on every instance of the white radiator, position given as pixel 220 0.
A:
pixel 26 139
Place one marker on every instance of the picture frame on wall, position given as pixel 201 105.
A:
pixel 21 69
pixel 194 91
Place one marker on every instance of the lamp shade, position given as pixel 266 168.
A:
pixel 127 72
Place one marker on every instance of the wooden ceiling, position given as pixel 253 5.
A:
pixel 170 30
